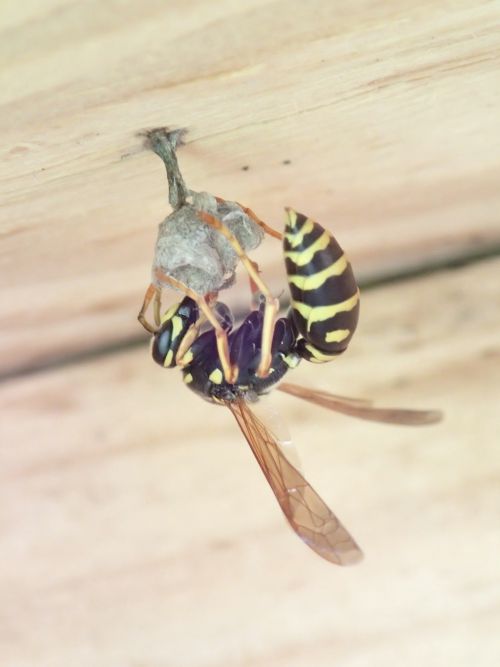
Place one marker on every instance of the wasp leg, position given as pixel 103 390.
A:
pixel 271 306
pixel 254 290
pixel 248 211
pixel 157 307
pixel 181 358
pixel 220 333
pixel 153 292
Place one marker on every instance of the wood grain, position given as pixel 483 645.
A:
pixel 379 119
pixel 137 530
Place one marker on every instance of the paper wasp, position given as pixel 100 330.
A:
pixel 232 367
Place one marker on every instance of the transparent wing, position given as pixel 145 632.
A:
pixel 307 514
pixel 362 409
pixel 275 424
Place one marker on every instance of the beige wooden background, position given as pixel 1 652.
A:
pixel 136 530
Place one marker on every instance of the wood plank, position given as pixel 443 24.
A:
pixel 137 529
pixel 379 119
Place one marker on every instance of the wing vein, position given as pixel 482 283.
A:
pixel 306 512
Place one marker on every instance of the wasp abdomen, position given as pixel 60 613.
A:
pixel 325 296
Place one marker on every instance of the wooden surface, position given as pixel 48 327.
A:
pixel 386 112
pixel 137 530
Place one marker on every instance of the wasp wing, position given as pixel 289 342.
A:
pixel 349 406
pixel 307 514
pixel 277 427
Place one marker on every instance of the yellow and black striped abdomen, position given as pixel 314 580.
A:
pixel 325 296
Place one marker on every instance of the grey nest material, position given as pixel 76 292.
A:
pixel 187 248
pixel 197 255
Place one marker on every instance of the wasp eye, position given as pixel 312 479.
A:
pixel 161 343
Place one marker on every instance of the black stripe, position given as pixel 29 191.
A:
pixel 308 239
pixel 343 320
pixel 334 290
pixel 300 322
pixel 321 260
pixel 346 319
pixel 300 221
pixel 308 356
pixel 316 335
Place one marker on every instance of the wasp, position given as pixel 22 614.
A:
pixel 258 353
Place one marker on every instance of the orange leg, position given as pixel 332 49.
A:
pixel 190 336
pixel 254 290
pixel 230 374
pixel 157 307
pixel 272 304
pixel 258 221
pixel 152 293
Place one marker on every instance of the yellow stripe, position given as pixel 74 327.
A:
pixel 303 257
pixel 176 327
pixel 296 238
pixel 291 217
pixel 187 358
pixel 216 376
pixel 188 378
pixel 321 313
pixel 319 357
pixel 318 279
pixel 291 360
pixel 168 358
pixel 337 335
pixel 170 312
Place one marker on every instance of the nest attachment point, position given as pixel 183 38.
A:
pixel 188 249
